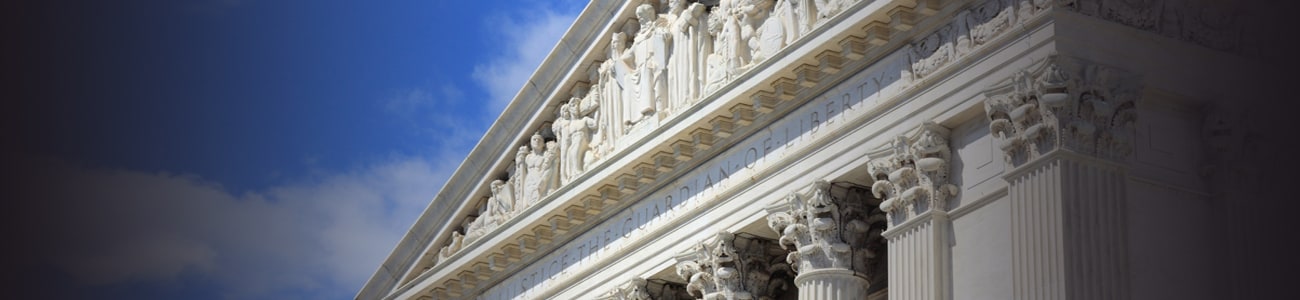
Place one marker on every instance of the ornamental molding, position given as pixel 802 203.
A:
pixel 731 266
pixel 1062 103
pixel 1220 25
pixel 833 226
pixel 912 173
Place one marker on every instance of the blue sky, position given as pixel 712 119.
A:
pixel 243 149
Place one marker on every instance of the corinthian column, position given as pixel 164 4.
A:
pixel 912 177
pixel 1066 129
pixel 833 235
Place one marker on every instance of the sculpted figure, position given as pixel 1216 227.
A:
pixel 692 44
pixel 622 88
pixel 452 246
pixel 473 228
pixel 829 8
pixel 716 60
pixel 679 64
pixel 551 167
pixel 502 203
pixel 780 29
pixel 648 58
pixel 518 180
pixel 806 15
pixel 590 107
pixel 574 133
pixel 731 39
pixel 539 172
pixel 753 14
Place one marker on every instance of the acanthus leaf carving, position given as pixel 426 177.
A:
pixel 1064 103
pixel 912 175
pixel 837 226
pixel 731 266
pixel 642 289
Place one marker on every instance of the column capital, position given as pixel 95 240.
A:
pixel 832 226
pixel 642 289
pixel 1064 103
pixel 912 173
pixel 731 266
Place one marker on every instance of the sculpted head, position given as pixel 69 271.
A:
pixel 496 186
pixel 646 14
pixel 566 111
pixel 616 41
pixel 537 141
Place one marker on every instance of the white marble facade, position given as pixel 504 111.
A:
pixel 842 149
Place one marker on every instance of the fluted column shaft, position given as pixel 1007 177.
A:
pixel 918 264
pixel 1068 229
pixel 831 284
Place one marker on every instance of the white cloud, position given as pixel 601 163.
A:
pixel 525 39
pixel 321 237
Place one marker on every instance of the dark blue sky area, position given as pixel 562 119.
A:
pixel 248 93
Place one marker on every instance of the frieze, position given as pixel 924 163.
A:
pixel 1214 24
pixel 970 30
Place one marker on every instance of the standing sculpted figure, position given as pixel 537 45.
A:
pixel 622 88
pixel 648 58
pixel 539 176
pixel 734 44
pixel 691 46
pixel 551 166
pixel 574 133
pixel 592 107
pixel 805 15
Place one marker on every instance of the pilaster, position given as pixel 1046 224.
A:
pixel 912 176
pixel 1066 127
